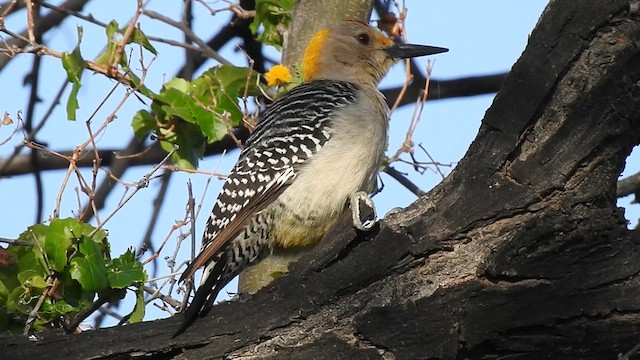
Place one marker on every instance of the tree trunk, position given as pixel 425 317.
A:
pixel 521 253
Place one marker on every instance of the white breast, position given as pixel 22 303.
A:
pixel 347 163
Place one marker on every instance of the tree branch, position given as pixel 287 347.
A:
pixel 21 165
pixel 520 253
pixel 46 23
pixel 629 186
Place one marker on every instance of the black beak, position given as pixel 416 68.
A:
pixel 403 51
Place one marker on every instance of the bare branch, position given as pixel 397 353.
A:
pixel 45 23
pixel 404 181
pixel 445 89
pixel 203 45
pixel 629 185
pixel 21 165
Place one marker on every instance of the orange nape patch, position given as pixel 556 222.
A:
pixel 310 66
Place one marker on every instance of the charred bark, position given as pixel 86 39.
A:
pixel 521 253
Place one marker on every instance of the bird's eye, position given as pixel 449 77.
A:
pixel 363 39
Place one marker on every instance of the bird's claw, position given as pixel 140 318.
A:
pixel 355 201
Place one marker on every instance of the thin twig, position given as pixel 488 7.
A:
pixel 176 168
pixel 233 7
pixel 52 283
pixel 31 20
pixel 40 49
pixel 45 23
pixel 153 218
pixel 191 207
pixel 127 35
pixel 207 50
pixel 143 183
pixel 89 18
pixel 32 134
pixel 10 8
pixel 82 315
pixel 407 144
pixel 155 294
pixel 98 195
pixel 404 181
pixel 15 242
pixel 402 15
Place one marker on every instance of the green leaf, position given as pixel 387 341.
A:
pixel 108 56
pixel 189 114
pixel 143 123
pixel 31 279
pixel 4 294
pixel 72 102
pixel 15 302
pixel 62 307
pixel 90 271
pixel 31 257
pixel 51 246
pixel 139 37
pixel 179 84
pixel 73 63
pixel 125 271
pixel 190 144
pixel 111 29
pixel 185 107
pixel 271 15
pixel 135 80
pixel 57 243
pixel 33 261
pixel 138 311
pixel 218 89
pixel 234 79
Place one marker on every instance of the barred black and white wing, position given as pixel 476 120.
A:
pixel 290 132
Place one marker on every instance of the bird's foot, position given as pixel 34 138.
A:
pixel 354 203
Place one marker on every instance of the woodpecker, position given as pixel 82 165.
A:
pixel 315 151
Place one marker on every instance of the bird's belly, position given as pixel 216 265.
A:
pixel 312 204
pixel 294 232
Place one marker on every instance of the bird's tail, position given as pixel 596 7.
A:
pixel 213 281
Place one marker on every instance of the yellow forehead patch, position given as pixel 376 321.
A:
pixel 310 65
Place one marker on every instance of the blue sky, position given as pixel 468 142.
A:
pixel 483 37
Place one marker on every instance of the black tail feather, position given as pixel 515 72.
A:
pixel 206 293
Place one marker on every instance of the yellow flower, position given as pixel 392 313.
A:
pixel 278 75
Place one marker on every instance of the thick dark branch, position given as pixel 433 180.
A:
pixel 439 89
pixel 21 164
pixel 445 89
pixel 519 253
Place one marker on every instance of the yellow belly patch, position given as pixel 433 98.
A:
pixel 292 232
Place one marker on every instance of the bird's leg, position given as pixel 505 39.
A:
pixel 354 203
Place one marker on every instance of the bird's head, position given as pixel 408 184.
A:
pixel 356 52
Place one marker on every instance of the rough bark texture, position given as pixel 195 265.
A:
pixel 520 253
